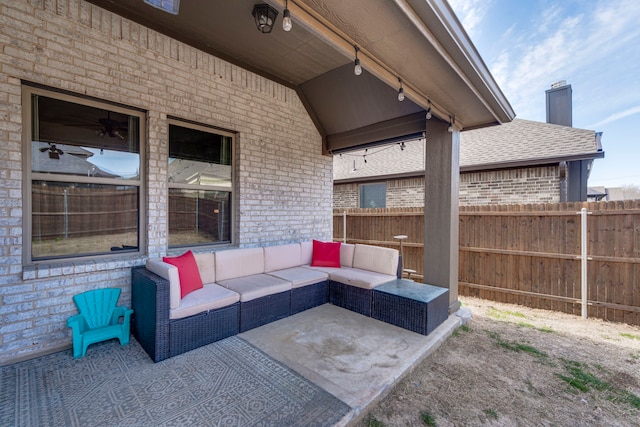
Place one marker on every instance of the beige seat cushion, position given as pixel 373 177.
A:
pixel 301 276
pixel 360 278
pixel 210 297
pixel 256 286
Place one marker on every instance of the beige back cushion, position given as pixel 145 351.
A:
pixel 346 254
pixel 206 266
pixel 306 252
pixel 375 258
pixel 281 257
pixel 234 263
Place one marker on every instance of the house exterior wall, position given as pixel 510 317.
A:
pixel 283 183
pixel 508 186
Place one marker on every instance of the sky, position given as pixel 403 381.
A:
pixel 592 44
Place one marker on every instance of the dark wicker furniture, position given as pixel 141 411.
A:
pixel 162 337
pixel 306 297
pixel 414 306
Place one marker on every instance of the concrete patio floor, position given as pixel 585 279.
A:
pixel 355 358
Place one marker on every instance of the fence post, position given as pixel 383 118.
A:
pixel 583 257
pixel 344 227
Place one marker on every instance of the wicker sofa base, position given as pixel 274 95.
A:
pixel 267 309
pixel 309 296
pixel 350 297
pixel 203 328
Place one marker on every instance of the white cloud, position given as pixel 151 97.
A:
pixel 470 13
pixel 617 116
pixel 561 45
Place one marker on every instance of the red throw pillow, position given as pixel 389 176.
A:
pixel 187 272
pixel 325 254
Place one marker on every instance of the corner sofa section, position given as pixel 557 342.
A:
pixel 246 288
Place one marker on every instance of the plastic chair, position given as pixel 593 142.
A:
pixel 99 319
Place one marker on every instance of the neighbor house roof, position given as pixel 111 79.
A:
pixel 518 143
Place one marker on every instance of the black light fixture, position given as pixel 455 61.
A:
pixel 429 110
pixel 451 120
pixel 265 17
pixel 357 68
pixel 400 91
pixel 286 17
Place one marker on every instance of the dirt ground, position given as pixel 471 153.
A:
pixel 515 366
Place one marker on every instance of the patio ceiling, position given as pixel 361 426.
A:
pixel 419 41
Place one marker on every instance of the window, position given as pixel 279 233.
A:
pixel 200 185
pixel 83 189
pixel 373 195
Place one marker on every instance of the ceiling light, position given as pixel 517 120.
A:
pixel 170 6
pixel 286 17
pixel 450 128
pixel 265 16
pixel 400 91
pixel 429 111
pixel 357 69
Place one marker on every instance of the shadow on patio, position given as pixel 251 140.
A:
pixel 320 367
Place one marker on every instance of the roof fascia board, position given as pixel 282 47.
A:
pixel 479 168
pixel 407 125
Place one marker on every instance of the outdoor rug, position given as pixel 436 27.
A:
pixel 227 383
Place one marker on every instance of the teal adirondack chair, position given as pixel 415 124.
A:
pixel 99 319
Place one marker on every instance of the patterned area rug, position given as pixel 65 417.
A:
pixel 228 383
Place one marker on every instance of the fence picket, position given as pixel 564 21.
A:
pixel 526 254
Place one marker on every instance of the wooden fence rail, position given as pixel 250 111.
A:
pixel 526 254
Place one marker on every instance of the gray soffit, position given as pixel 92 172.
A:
pixel 419 41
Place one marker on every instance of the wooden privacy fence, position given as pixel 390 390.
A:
pixel 527 254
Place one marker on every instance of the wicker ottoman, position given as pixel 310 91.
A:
pixel 410 305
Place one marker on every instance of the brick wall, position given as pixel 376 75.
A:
pixel 509 186
pixel 283 182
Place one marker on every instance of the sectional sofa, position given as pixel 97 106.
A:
pixel 245 288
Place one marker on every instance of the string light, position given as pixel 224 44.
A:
pixel 357 69
pixel 450 128
pixel 429 111
pixel 400 91
pixel 286 17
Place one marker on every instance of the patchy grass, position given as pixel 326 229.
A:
pixel 517 347
pixel 373 422
pixel 545 329
pixel 491 413
pixel 460 330
pixel 504 314
pixel 580 378
pixel 428 419
pixel 630 336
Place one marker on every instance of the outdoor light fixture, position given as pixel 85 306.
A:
pixel 286 17
pixel 450 128
pixel 170 6
pixel 402 146
pixel 357 69
pixel 429 110
pixel 265 16
pixel 400 91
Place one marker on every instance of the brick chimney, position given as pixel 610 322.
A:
pixel 559 108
